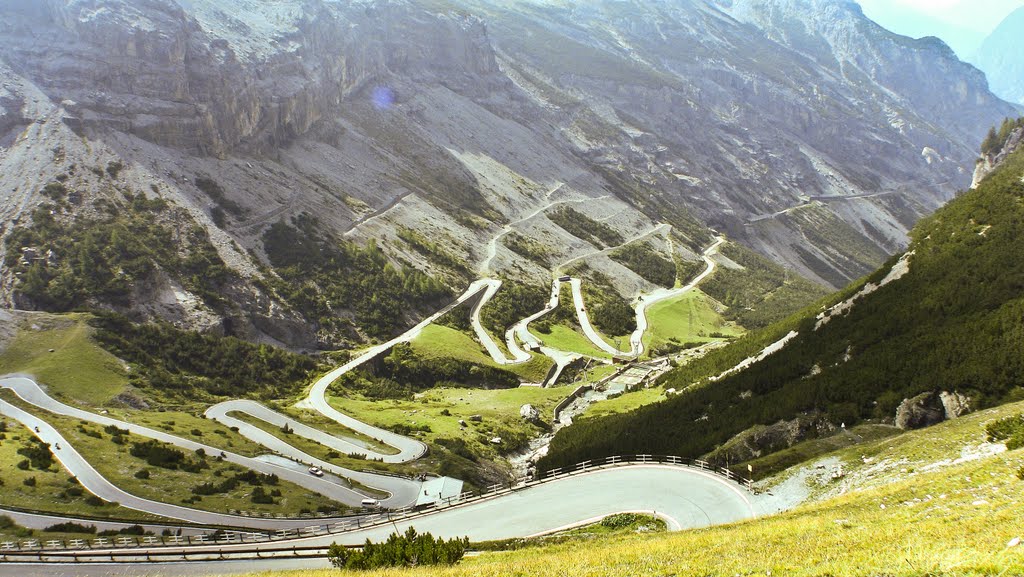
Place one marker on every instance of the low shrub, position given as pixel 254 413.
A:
pixel 408 550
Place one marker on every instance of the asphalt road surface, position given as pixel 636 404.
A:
pixel 686 498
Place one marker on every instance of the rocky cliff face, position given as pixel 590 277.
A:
pixel 989 161
pixel 797 126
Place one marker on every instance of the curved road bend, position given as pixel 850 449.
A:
pixel 98 485
pixel 636 339
pixel 221 412
pixel 30 392
pixel 402 491
pixel 561 358
pixel 688 497
pixel 409 449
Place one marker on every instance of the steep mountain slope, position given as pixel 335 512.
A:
pixel 284 136
pixel 1001 56
pixel 934 333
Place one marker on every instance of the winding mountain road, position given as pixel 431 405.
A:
pixel 643 303
pixel 689 498
pixel 28 391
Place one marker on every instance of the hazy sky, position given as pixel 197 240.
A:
pixel 963 24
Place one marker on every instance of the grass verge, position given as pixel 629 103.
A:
pixel 437 341
pixel 77 368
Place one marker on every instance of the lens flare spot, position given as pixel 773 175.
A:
pixel 383 97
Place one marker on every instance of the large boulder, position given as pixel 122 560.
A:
pixel 929 409
pixel 955 404
pixel 921 411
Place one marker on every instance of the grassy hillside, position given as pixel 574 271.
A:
pixel 690 318
pixel 955 322
pixel 441 342
pixel 77 366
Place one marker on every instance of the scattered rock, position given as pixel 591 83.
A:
pixel 132 401
pixel 529 412
pixel 462 423
pixel 1013 543
pixel 496 441
pixel 476 418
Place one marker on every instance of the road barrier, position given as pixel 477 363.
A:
pixel 63 550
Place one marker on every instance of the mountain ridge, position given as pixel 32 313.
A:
pixel 438 118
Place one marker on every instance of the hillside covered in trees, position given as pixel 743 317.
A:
pixel 954 322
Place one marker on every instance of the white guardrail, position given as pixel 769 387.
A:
pixel 351 523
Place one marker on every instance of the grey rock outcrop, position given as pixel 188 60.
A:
pixel 529 413
pixel 762 440
pixel 955 404
pixel 921 411
pixel 929 409
pixel 989 162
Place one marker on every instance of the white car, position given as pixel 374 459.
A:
pixel 316 471
pixel 371 503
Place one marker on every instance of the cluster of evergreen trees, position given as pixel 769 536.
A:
pixel 515 301
pixel 325 276
pixel 610 313
pixel 194 365
pixel 582 226
pixel 642 259
pixel 406 550
pixel 99 260
pixel 762 292
pixel 955 322
pixel 996 139
pixel 402 373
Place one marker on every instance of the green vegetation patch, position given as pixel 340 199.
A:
pixel 66 260
pixel 404 372
pixel 996 140
pixel 323 277
pixel 183 364
pixel 434 252
pixel 78 367
pixel 610 313
pixel 762 292
pixel 435 414
pixel 649 264
pixel 407 550
pixel 529 249
pixel 50 489
pixel 513 302
pixel 688 320
pixel 439 342
pixel 583 227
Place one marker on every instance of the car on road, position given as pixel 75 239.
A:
pixel 565 278
pixel 370 503
pixel 316 471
